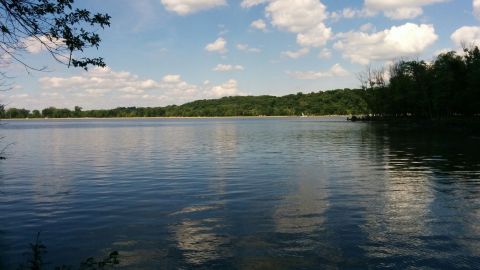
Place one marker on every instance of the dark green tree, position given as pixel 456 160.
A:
pixel 77 111
pixel 447 87
pixel 16 113
pixel 409 90
pixel 449 72
pixel 36 114
pixel 472 62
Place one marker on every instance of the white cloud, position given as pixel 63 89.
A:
pixel 399 41
pixel 225 68
pixel 467 35
pixel 296 16
pixel 230 88
pixel 219 45
pixel 36 45
pixel 400 9
pixel 185 7
pixel 99 82
pixel 335 71
pixel 305 18
pixel 259 24
pixel 315 37
pixel 247 48
pixel 171 79
pixel 476 8
pixel 105 88
pixel 251 3
pixel 296 54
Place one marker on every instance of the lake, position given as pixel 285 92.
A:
pixel 254 193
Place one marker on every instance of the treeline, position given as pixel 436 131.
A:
pixel 449 86
pixel 339 102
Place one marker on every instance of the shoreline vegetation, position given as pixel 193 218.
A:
pixel 346 117
pixel 336 102
pixel 443 90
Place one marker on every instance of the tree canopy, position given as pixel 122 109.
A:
pixel 445 87
pixel 56 25
pixel 340 102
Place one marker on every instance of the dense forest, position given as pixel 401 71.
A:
pixel 341 102
pixel 448 86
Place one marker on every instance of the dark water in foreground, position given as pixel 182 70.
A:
pixel 241 194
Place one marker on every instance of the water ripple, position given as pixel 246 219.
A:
pixel 241 194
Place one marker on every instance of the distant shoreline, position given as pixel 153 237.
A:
pixel 173 117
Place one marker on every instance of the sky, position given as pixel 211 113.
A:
pixel 163 52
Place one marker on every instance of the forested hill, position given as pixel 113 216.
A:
pixel 338 102
pixel 448 86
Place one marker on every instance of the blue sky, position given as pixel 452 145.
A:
pixel 162 52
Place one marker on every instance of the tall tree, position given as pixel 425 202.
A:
pixel 472 62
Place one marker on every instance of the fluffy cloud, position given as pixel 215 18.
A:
pixel 185 7
pixel 466 34
pixel 171 79
pixel 35 45
pixel 400 9
pixel 399 41
pixel 219 45
pixel 476 8
pixel 97 78
pixel 296 54
pixel 259 24
pixel 303 17
pixel 296 16
pixel 225 68
pixel 335 71
pixel 230 88
pixel 105 88
pixel 247 48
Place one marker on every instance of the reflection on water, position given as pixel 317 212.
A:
pixel 199 241
pixel 241 194
pixel 302 213
pixel 199 233
pixel 418 217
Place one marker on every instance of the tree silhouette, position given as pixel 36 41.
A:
pixel 447 87
pixel 55 25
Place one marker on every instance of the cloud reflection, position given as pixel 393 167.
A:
pixel 303 211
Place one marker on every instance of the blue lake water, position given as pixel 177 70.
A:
pixel 286 193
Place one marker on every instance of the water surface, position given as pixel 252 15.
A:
pixel 288 193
